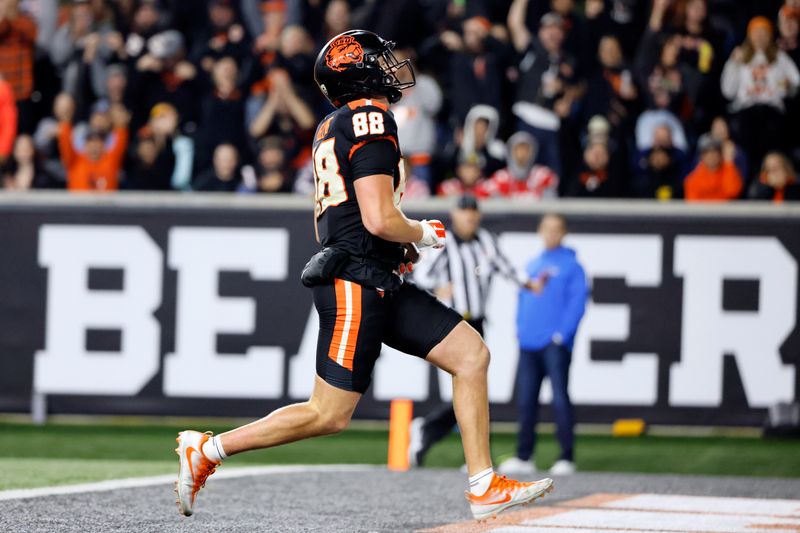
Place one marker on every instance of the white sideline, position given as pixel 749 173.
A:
pixel 135 482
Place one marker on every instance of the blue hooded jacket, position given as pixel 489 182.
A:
pixel 558 309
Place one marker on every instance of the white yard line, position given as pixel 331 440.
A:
pixel 130 483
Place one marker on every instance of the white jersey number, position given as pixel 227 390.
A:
pixel 368 123
pixel 331 189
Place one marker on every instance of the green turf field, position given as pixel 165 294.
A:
pixel 32 456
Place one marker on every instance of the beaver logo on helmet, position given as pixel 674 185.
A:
pixel 359 64
pixel 344 51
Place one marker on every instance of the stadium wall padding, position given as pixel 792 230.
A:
pixel 123 305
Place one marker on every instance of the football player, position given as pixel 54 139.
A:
pixel 362 300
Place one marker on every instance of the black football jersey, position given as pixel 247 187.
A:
pixel 357 140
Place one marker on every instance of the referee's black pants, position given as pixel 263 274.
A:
pixel 441 421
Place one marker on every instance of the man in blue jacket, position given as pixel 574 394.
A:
pixel 547 320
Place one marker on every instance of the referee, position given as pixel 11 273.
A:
pixel 460 276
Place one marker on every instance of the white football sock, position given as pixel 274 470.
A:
pixel 479 483
pixel 213 449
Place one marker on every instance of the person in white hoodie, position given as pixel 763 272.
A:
pixel 757 78
pixel 479 139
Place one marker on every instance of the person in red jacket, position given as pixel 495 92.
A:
pixel 468 179
pixel 522 178
pixel 716 177
pixel 96 168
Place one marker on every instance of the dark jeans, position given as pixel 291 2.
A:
pixel 440 422
pixel 551 361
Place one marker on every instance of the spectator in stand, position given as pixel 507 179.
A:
pixel 296 55
pixel 265 21
pixel 660 169
pixel 575 30
pixel 336 21
pixel 95 168
pixel 789 29
pixel 8 124
pixel 476 68
pixel 549 311
pixel 597 178
pixel 777 182
pixel 285 114
pixel 548 84
pixel 222 116
pixel 164 75
pixel 146 22
pixel 700 55
pixel 223 176
pixel 163 157
pixel 99 122
pixel 757 79
pixel 24 170
pixel 224 36
pixel 416 127
pixel 468 180
pixel 17 46
pixel 721 132
pixel 272 172
pixel 611 91
pixel 82 48
pixel 523 178
pixel 789 42
pixel 716 177
pixel 479 138
pixel 624 19
pixel 664 89
pixel 116 85
pixel 45 14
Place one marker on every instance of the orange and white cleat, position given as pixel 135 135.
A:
pixel 504 493
pixel 194 468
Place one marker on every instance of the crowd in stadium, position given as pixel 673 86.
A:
pixel 665 99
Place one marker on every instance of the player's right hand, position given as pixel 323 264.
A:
pixel 433 234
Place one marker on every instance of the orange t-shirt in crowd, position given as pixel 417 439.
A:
pixel 84 174
pixel 8 124
pixel 707 185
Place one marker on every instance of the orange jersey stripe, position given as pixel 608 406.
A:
pixel 348 321
pixel 355 324
pixel 362 143
pixel 341 312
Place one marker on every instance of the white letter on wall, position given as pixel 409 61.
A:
pixel 633 380
pixel 69 252
pixel 752 337
pixel 196 369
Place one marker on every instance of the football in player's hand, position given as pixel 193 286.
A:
pixel 412 253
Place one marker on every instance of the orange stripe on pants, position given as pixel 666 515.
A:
pixel 348 320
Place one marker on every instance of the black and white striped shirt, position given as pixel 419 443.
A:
pixel 469 267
